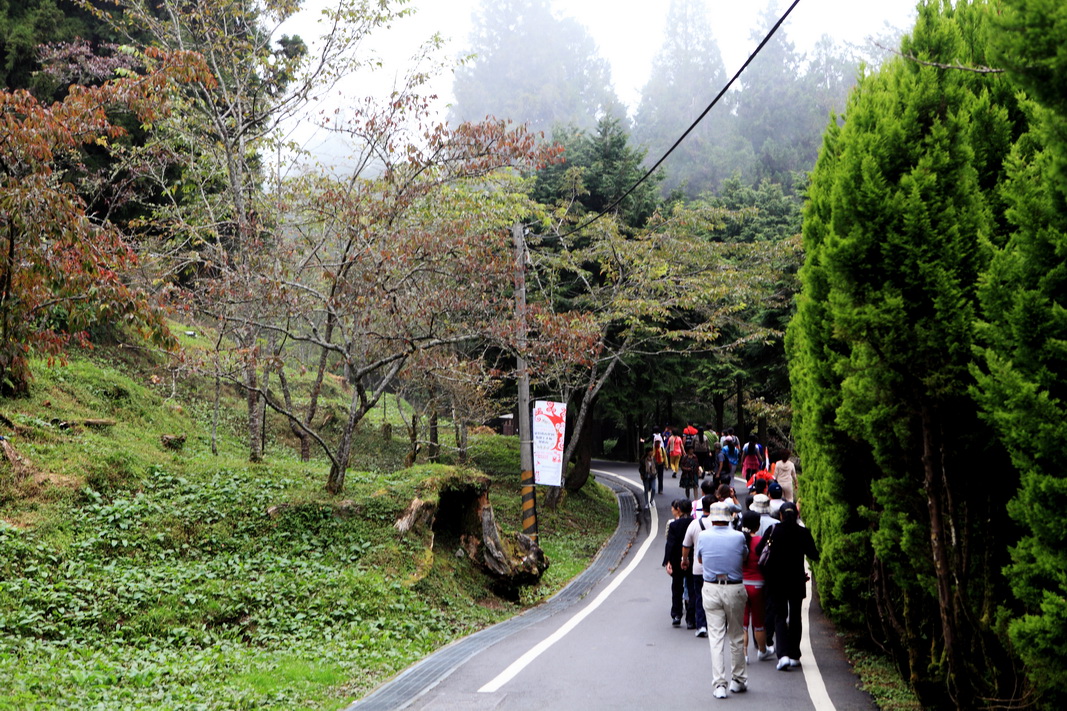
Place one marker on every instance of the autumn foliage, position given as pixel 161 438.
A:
pixel 61 271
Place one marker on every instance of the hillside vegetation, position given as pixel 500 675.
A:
pixel 137 576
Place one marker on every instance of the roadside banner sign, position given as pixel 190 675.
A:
pixel 549 428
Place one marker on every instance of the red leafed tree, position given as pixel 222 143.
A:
pixel 60 270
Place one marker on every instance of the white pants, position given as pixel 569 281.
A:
pixel 724 606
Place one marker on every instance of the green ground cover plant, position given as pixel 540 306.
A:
pixel 133 576
pixel 880 678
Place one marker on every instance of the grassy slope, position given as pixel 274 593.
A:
pixel 132 576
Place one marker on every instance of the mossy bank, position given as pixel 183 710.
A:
pixel 137 576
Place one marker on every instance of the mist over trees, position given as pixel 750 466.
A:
pixel 532 67
pixel 687 72
pixel 769 126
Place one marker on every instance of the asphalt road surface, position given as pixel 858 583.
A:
pixel 607 643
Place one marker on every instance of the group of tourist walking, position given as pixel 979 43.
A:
pixel 734 567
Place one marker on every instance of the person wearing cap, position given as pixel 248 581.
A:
pixel 721 550
pixel 761 504
pixel 774 493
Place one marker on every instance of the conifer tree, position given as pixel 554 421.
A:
pixel 686 74
pixel 532 67
pixel 897 233
pixel 1022 384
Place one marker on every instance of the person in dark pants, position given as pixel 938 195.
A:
pixel 672 556
pixel 698 618
pixel 659 455
pixel 786 581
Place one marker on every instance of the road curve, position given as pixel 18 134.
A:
pixel 606 640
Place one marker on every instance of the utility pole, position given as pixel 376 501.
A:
pixel 529 492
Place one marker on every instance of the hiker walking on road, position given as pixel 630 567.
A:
pixel 698 619
pixel 673 556
pixel 691 471
pixel 702 447
pixel 675 449
pixel 785 473
pixel 731 450
pixel 755 607
pixel 722 550
pixel 753 457
pixel 659 455
pixel 718 463
pixel 647 469
pixel 786 581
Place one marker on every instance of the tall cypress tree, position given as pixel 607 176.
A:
pixel 897 232
pixel 1022 384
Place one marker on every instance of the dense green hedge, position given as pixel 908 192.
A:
pixel 905 486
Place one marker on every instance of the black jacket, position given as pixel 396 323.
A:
pixel 672 552
pixel 790 542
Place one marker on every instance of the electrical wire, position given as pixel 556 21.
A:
pixel 689 130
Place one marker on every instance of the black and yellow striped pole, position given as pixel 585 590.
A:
pixel 529 505
pixel 529 491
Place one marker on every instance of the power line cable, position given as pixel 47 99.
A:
pixel 689 130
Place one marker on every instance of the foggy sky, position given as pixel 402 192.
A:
pixel 628 33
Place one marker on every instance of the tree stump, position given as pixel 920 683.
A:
pixel 175 442
pixel 463 512
pixel 20 468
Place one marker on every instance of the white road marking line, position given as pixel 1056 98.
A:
pixel 522 662
pixel 816 687
pixel 820 698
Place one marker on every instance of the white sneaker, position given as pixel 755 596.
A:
pixel 783 664
pixel 794 663
pixel 738 687
pixel 702 632
pixel 764 656
pixel 720 692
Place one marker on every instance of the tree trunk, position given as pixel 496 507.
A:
pixel 434 453
pixel 741 431
pixel 14 374
pixel 215 408
pixel 263 400
pixel 579 475
pixel 413 440
pixel 633 437
pixel 255 419
pixel 335 482
pixel 718 401
pixel 934 479
pixel 461 439
pixel 554 497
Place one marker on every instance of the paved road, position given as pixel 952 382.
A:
pixel 615 647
